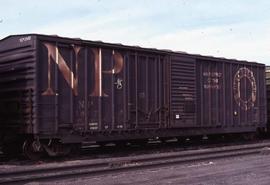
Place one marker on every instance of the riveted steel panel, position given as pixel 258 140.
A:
pixel 217 94
pixel 231 94
pixel 183 92
pixel 17 85
pixel 88 88
pixel 60 87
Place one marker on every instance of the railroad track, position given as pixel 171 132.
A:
pixel 103 166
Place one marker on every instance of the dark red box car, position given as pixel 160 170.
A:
pixel 76 90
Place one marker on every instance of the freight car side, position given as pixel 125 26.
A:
pixel 211 95
pixel 17 95
pixel 98 92
pixel 93 91
pixel 268 95
pixel 231 95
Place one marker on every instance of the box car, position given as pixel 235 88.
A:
pixel 268 94
pixel 57 91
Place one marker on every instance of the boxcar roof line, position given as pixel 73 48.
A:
pixel 80 41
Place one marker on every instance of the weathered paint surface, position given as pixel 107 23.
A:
pixel 88 87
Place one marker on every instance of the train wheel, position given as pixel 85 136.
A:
pixel 30 150
pixel 55 148
pixel 249 136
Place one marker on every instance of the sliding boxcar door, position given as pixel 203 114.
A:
pixel 183 88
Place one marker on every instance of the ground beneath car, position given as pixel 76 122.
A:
pixel 246 170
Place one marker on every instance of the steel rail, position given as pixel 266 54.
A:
pixel 112 165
